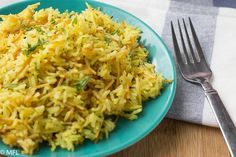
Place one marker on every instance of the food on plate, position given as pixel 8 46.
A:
pixel 66 77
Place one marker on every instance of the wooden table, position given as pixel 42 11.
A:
pixel 179 139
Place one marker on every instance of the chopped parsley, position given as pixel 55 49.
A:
pixel 31 48
pixel 28 28
pixel 36 66
pixel 117 31
pixel 75 21
pixel 53 21
pixel 108 40
pixel 39 29
pixel 81 84
pixel 10 86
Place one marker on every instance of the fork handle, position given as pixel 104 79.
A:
pixel 225 122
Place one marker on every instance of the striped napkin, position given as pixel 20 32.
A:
pixel 215 24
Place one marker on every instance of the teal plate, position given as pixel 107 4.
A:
pixel 127 132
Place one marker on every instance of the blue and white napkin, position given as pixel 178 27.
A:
pixel 215 24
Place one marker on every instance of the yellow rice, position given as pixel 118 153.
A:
pixel 67 77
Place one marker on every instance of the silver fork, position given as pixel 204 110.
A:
pixel 195 69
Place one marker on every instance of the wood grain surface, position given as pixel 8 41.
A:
pixel 179 139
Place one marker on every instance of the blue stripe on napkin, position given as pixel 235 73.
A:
pixel 225 3
pixel 189 101
pixel 197 2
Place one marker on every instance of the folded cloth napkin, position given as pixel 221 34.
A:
pixel 215 25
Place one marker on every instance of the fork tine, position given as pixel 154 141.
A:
pixel 189 43
pixel 176 46
pixel 196 41
pixel 183 43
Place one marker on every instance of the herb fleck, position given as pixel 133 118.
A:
pixel 31 48
pixel 10 86
pixel 75 21
pixel 28 28
pixel 39 29
pixel 36 66
pixel 108 40
pixel 53 21
pixel 117 31
pixel 81 84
